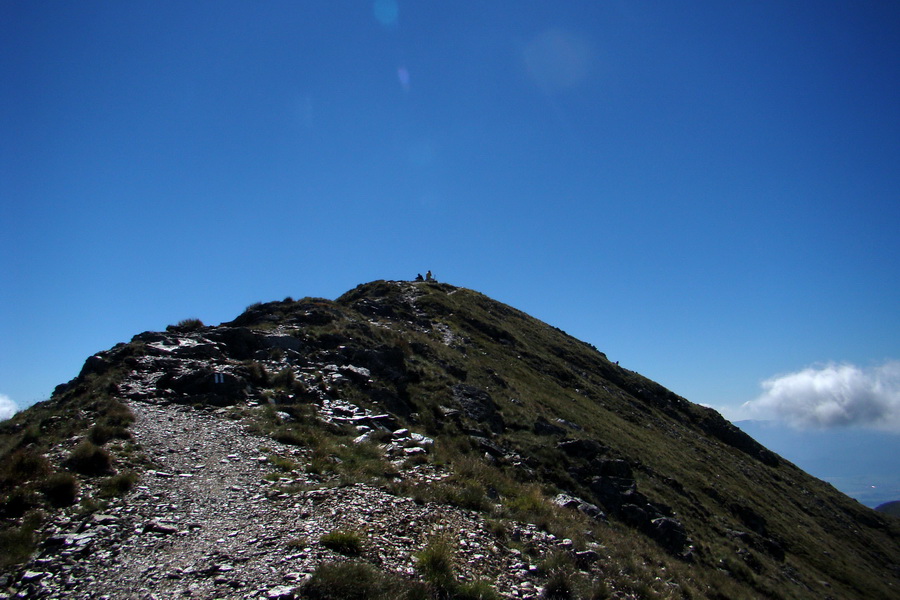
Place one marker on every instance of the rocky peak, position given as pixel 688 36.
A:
pixel 403 420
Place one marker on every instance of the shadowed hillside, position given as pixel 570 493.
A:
pixel 580 479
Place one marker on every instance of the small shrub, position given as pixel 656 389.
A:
pixel 436 565
pixel 117 485
pixel 89 459
pixel 599 590
pixel 16 545
pixel 530 506
pixel 89 505
pixel 472 497
pixel 60 489
pixel 300 391
pixel 737 569
pixel 362 462
pixel 348 543
pixel 416 460
pixel 498 529
pixel 559 586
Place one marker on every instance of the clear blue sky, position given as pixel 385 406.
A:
pixel 709 192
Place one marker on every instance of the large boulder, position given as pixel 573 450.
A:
pixel 669 533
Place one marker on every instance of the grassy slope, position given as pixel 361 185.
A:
pixel 716 481
pixel 833 545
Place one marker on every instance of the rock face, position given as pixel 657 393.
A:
pixel 403 414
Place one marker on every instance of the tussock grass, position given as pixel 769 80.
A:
pixel 283 464
pixel 24 464
pixel 359 581
pixel 436 563
pixel 18 501
pixel 17 543
pixel 88 458
pixel 118 485
pixel 100 434
pixel 348 543
pixel 190 324
pixel 60 489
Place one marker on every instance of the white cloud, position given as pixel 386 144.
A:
pixel 7 407
pixel 833 395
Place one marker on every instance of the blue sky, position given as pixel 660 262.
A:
pixel 706 191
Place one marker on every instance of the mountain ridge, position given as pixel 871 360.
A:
pixel 862 463
pixel 527 425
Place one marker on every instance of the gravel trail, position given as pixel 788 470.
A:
pixel 205 522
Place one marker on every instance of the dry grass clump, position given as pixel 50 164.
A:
pixel 88 458
pixel 60 489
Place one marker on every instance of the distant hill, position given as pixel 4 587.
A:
pixel 407 440
pixel 862 463
pixel 890 508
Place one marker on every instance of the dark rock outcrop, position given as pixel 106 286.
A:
pixel 477 405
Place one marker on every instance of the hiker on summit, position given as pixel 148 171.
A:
pixel 429 276
pixel 419 277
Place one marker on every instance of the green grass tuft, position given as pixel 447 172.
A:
pixel 476 590
pixel 348 543
pixel 117 485
pixel 359 581
pixel 436 564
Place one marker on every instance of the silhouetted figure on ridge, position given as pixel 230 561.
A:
pixel 419 277
pixel 429 276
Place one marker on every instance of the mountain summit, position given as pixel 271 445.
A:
pixel 407 440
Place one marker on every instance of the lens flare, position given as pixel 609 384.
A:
pixel 558 60
pixel 403 76
pixel 386 11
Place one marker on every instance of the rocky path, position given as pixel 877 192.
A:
pixel 206 523
pixel 200 523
